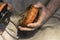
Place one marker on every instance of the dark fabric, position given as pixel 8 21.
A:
pixel 20 5
pixel 1 0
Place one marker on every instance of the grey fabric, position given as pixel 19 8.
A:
pixel 20 5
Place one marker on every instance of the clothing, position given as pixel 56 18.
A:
pixel 49 31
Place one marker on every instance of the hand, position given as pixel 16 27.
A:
pixel 33 26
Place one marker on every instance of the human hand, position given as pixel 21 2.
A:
pixel 33 26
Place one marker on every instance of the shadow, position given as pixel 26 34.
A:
pixel 27 34
pixel 30 34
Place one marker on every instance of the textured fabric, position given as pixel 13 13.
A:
pixel 11 29
pixel 1 37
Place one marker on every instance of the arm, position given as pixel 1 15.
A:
pixel 46 13
pixel 52 6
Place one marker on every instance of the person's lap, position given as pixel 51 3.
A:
pixel 49 31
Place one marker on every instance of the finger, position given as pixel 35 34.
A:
pixel 34 25
pixel 25 29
